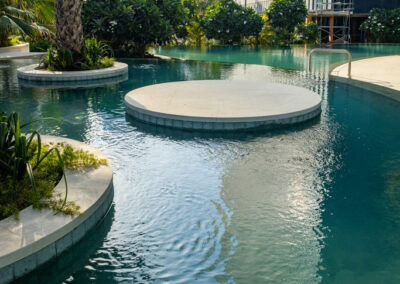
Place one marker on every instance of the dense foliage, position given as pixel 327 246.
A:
pixel 229 22
pixel 383 25
pixel 21 17
pixel 308 33
pixel 284 16
pixel 130 26
pixel 30 169
pixel 95 55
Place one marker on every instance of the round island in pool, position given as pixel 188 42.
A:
pixel 222 104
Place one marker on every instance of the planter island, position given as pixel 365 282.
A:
pixel 32 73
pixel 41 235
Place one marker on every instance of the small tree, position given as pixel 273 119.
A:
pixel 130 26
pixel 285 15
pixel 383 25
pixel 308 33
pixel 229 22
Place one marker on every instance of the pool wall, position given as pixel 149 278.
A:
pixel 39 236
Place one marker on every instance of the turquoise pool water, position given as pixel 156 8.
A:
pixel 316 203
pixel 292 57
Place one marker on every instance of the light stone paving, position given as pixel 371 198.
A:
pixel 383 71
pixel 39 236
pixel 222 104
pixel 31 72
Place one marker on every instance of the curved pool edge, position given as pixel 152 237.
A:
pixel 31 73
pixel 39 236
pixel 180 100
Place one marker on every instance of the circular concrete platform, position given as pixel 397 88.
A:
pixel 222 104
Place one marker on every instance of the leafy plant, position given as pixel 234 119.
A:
pixel 383 25
pixel 95 55
pixel 19 155
pixel 131 26
pixel 228 22
pixel 195 34
pixel 39 45
pixel 284 16
pixel 308 33
pixel 30 169
pixel 19 18
pixel 58 60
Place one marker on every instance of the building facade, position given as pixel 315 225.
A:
pixel 339 20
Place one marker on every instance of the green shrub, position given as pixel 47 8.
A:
pixel 131 26
pixel 308 33
pixel 95 55
pixel 39 45
pixel 383 25
pixel 229 22
pixel 30 169
pixel 58 60
pixel 195 34
pixel 284 16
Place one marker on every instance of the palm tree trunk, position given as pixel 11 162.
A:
pixel 69 25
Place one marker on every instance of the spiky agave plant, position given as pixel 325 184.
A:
pixel 21 154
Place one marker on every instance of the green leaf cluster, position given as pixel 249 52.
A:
pixel 95 55
pixel 383 25
pixel 23 18
pixel 30 169
pixel 229 22
pixel 131 26
pixel 284 16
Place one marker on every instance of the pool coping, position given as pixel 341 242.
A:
pixel 31 73
pixel 39 236
pixel 381 90
pixel 23 47
pixel 209 123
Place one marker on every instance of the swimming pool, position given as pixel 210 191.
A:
pixel 319 202
pixel 291 57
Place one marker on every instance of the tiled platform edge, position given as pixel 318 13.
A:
pixel 23 47
pixel 221 125
pixel 31 73
pixel 39 236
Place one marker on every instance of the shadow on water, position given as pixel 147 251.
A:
pixel 237 135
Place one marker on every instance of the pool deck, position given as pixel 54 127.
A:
pixel 20 55
pixel 378 73
pixel 222 104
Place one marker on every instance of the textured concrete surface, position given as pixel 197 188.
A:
pixel 23 47
pixel 39 236
pixel 383 71
pixel 222 104
pixel 20 55
pixel 31 72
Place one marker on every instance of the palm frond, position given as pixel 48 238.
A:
pixel 23 14
pixel 7 25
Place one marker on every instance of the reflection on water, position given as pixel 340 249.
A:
pixel 308 204
pixel 292 57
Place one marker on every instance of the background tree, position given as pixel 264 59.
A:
pixel 229 22
pixel 285 15
pixel 308 33
pixel 130 26
pixel 383 25
pixel 69 34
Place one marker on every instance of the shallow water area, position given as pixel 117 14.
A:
pixel 315 203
